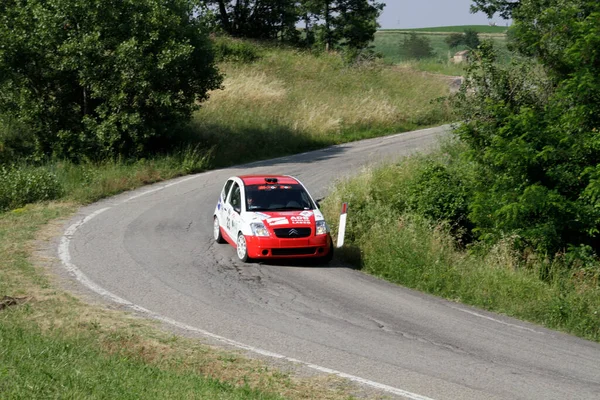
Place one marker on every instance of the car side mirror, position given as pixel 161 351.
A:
pixel 318 203
pixel 237 209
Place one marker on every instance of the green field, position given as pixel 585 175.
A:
pixel 389 44
pixel 458 28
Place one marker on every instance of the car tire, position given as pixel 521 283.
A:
pixel 326 259
pixel 242 248
pixel 217 231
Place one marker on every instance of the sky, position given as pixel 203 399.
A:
pixel 406 14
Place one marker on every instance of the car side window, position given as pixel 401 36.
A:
pixel 306 203
pixel 235 198
pixel 226 188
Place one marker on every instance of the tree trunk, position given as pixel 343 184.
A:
pixel 224 16
pixel 327 27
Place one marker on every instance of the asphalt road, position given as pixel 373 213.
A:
pixel 153 248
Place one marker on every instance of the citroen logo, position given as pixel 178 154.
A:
pixel 293 232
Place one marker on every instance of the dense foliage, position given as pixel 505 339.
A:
pixel 20 186
pixel 417 46
pixel 533 128
pixel 469 38
pixel 331 24
pixel 454 40
pixel 503 7
pixel 100 78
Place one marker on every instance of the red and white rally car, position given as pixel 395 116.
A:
pixel 271 216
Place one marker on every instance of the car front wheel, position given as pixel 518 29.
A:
pixel 242 248
pixel 326 259
pixel 217 231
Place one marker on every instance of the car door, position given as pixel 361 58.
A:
pixel 233 210
pixel 222 203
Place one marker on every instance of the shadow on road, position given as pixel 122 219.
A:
pixel 348 257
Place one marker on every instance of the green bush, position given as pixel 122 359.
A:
pixel 454 40
pixel 426 187
pixel 437 195
pixel 101 78
pixel 21 186
pixel 417 47
pixel 16 141
pixel 232 50
pixel 471 39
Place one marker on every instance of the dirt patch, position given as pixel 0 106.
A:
pixel 8 301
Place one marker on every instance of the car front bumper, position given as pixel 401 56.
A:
pixel 269 247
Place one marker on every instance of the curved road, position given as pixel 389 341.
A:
pixel 154 248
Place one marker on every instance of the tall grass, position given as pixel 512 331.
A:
pixel 290 101
pixel 388 238
pixel 88 182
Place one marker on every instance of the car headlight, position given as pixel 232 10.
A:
pixel 322 228
pixel 259 229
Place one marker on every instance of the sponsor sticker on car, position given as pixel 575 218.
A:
pixel 300 220
pixel 278 221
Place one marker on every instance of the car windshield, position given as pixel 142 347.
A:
pixel 277 197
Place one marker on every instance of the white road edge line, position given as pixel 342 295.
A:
pixel 65 256
pixel 497 320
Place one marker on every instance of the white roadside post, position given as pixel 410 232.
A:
pixel 342 226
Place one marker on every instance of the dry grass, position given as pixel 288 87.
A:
pixel 250 87
pixel 296 100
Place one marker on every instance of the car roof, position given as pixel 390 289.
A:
pixel 261 179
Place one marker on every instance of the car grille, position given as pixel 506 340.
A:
pixel 295 251
pixel 292 233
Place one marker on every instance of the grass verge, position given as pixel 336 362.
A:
pixel 389 237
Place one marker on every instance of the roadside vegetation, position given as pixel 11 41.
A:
pixel 409 223
pixel 507 217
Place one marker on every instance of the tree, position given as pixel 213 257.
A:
pixel 258 19
pixel 454 40
pixel 533 128
pixel 471 39
pixel 357 22
pixel 417 46
pixel 333 23
pixel 93 77
pixel 491 7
